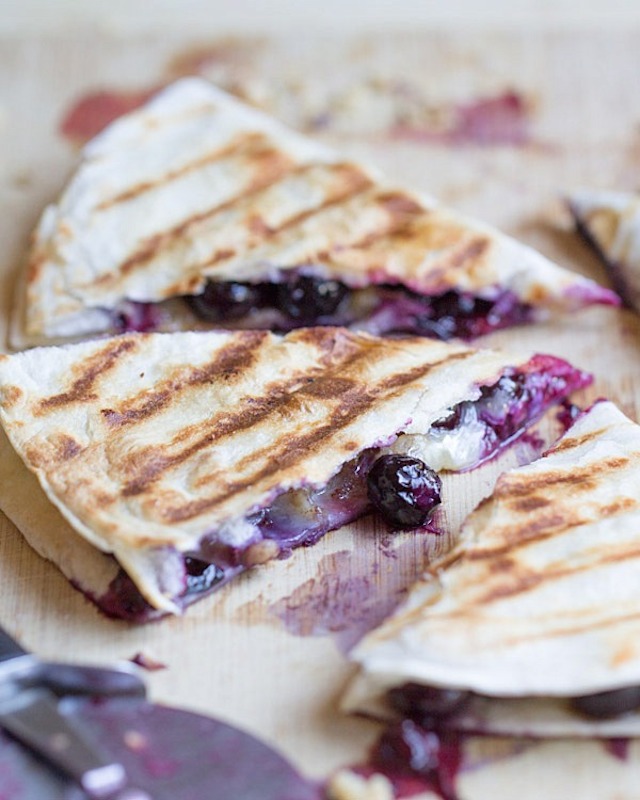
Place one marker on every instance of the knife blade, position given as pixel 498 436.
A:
pixel 29 712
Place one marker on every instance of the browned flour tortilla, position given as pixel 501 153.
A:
pixel 610 222
pixel 537 604
pixel 196 188
pixel 177 460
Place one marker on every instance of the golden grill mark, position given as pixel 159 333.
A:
pixel 357 184
pixel 578 441
pixel 248 141
pixel 253 411
pixel 523 505
pixel 398 204
pixel 583 479
pixel 355 402
pixel 531 580
pixel 402 213
pixel 91 369
pixel 273 165
pixel 571 630
pixel 233 358
pixel 471 252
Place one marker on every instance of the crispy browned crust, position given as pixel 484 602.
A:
pixel 250 414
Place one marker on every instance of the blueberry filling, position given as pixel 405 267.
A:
pixel 404 490
pixel 304 299
pixel 431 706
pixel 604 705
pixel 307 299
pixel 398 481
pixel 200 575
pixel 425 704
pixel 230 301
pixel 138 317
pixel 407 748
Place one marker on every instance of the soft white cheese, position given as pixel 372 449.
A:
pixel 442 449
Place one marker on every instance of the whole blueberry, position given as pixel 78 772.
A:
pixel 404 490
pixel 424 704
pixel 227 300
pixel 306 298
pixel 613 703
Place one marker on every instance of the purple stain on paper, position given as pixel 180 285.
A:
pixel 353 591
pixel 618 748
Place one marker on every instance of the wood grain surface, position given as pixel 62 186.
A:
pixel 267 652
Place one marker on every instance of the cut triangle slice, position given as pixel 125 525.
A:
pixel 530 625
pixel 189 457
pixel 610 223
pixel 199 211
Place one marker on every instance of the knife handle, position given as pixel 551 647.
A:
pixel 33 718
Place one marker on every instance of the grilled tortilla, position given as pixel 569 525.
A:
pixel 537 604
pixel 196 188
pixel 610 222
pixel 190 456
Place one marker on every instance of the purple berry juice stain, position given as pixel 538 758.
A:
pixel 354 590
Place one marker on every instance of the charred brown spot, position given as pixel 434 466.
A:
pixel 536 528
pixel 11 395
pixel 470 253
pixel 353 403
pixel 66 447
pixel 228 363
pixel 526 504
pixel 619 507
pixel 582 479
pixel 242 143
pixel 258 226
pixel 91 369
pixel 34 267
pixel 270 165
pixel 572 442
pixel 354 183
pixel 217 258
pixel 332 387
pixel 399 204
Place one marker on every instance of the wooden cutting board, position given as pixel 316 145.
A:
pixel 498 125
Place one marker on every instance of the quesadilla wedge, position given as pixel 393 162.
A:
pixel 199 211
pixel 610 222
pixel 530 625
pixel 179 460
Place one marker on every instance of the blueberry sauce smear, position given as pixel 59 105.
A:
pixel 415 759
pixel 303 299
pixel 404 490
